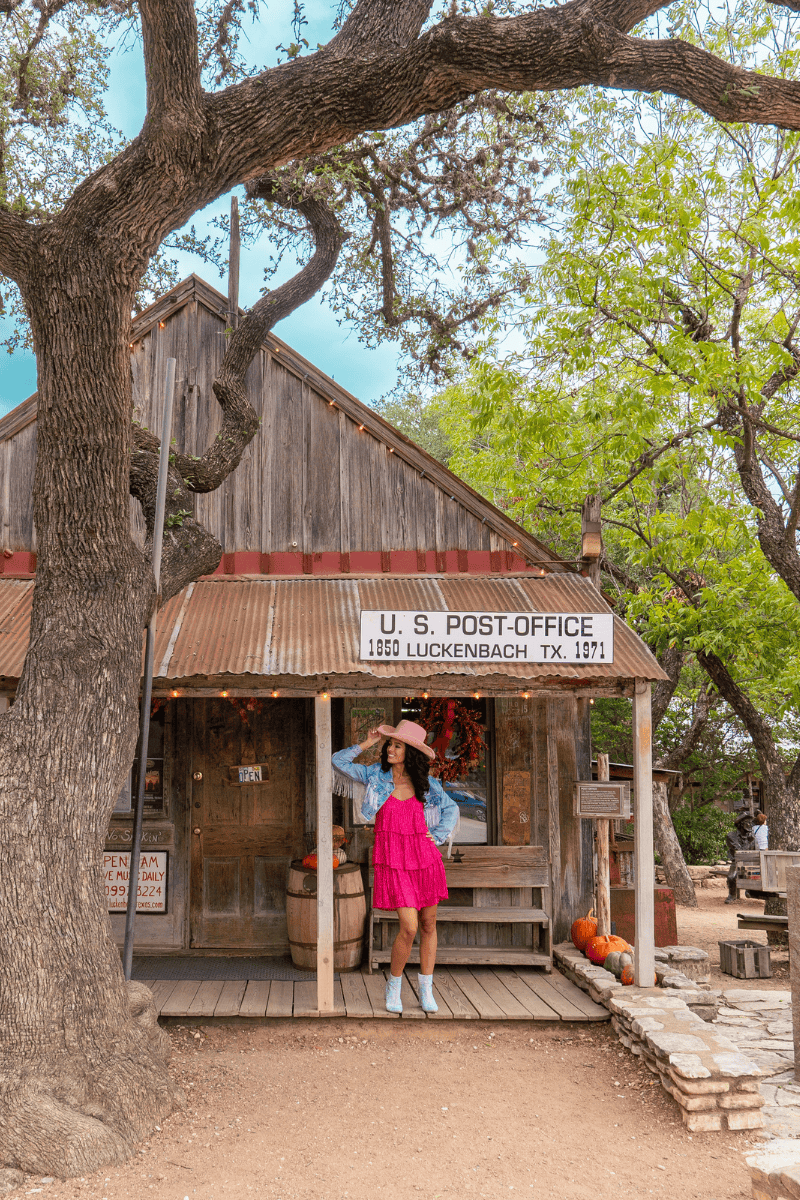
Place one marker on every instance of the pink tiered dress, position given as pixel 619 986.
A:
pixel 409 872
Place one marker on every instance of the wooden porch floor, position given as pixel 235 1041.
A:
pixel 462 993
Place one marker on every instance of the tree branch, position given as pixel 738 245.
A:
pixel 794 512
pixel 377 25
pixel 623 14
pixel 334 99
pixel 679 754
pixel 649 457
pixel 240 421
pixel 783 815
pixel 670 661
pixel 317 101
pixel 172 70
pixel 16 240
pixel 780 553
pixel 190 550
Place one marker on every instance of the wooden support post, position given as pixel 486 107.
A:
pixel 233 265
pixel 324 773
pixel 603 900
pixel 793 909
pixel 591 537
pixel 644 869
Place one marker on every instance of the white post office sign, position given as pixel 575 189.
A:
pixel 396 635
pixel 609 801
pixel 151 896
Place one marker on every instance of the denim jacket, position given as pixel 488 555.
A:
pixel 441 810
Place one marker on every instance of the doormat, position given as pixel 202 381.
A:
pixel 167 967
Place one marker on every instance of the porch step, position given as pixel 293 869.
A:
pixel 463 993
pixel 485 956
pixel 515 915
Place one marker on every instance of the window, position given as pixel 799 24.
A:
pixel 470 791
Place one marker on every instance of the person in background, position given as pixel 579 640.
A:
pixel 413 815
pixel 739 838
pixel 761 831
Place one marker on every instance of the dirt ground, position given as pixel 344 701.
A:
pixel 351 1110
pixel 714 921
pixel 359 1110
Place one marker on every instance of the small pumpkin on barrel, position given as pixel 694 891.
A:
pixel 310 861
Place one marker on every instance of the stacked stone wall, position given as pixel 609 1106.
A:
pixel 670 1029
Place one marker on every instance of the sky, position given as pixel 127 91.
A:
pixel 313 329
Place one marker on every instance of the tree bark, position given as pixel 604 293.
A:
pixel 781 792
pixel 79 1082
pixel 668 848
pixel 82 1062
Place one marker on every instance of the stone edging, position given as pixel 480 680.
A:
pixel 775 1172
pixel 715 1085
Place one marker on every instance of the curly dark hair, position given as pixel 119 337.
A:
pixel 416 764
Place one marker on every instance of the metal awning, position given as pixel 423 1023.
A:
pixel 262 628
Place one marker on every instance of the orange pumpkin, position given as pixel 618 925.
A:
pixel 310 861
pixel 627 976
pixel 583 929
pixel 598 948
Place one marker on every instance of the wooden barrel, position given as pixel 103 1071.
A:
pixel 349 915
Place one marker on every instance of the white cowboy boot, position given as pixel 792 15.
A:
pixel 426 993
pixel 393 1001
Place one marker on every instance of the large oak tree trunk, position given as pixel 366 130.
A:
pixel 668 848
pixel 82 1061
pixel 81 1079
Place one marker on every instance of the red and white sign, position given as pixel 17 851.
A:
pixel 152 892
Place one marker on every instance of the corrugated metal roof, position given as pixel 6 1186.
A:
pixel 15 619
pixel 309 627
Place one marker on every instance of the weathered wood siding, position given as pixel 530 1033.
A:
pixel 17 465
pixel 543 746
pixel 311 481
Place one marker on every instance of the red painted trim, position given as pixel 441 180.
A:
pixel 356 562
pixel 403 562
pixel 365 562
pixel 17 562
pixel 327 563
pixel 286 564
pixel 245 562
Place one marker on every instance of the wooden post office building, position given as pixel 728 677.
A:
pixel 359 578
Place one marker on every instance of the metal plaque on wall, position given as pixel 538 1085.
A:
pixel 609 801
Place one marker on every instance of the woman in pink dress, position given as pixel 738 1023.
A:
pixel 413 814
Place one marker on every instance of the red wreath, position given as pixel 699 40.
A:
pixel 443 718
pixel 245 705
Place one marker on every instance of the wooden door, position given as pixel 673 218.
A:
pixel 243 837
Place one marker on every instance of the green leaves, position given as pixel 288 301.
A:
pixel 668 298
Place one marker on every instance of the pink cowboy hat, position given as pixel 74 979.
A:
pixel 410 733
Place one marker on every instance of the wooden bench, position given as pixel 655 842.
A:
pixel 759 921
pixel 485 870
